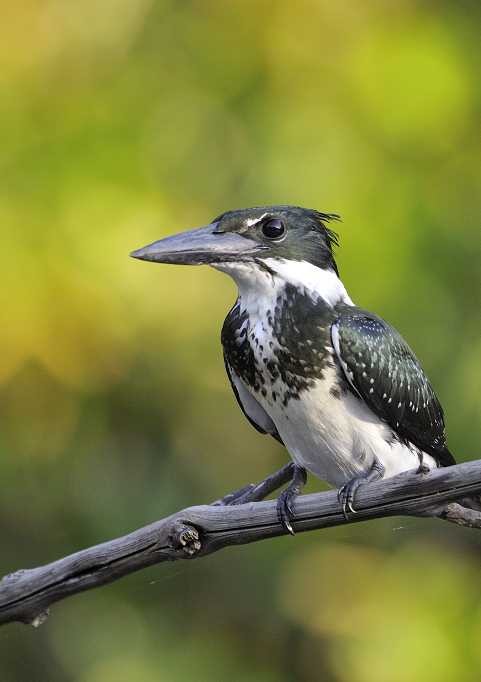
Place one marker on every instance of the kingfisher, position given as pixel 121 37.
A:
pixel 335 384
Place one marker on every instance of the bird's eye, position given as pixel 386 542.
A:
pixel 273 228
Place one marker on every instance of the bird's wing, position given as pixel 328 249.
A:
pixel 251 408
pixel 384 372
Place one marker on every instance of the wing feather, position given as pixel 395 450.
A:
pixel 381 368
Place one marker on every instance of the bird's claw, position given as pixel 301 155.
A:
pixel 285 507
pixel 346 494
pixel 285 510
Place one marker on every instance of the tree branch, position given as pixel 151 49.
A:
pixel 451 494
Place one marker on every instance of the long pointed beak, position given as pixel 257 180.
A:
pixel 199 246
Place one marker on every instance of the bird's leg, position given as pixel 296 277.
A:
pixel 292 473
pixel 232 498
pixel 347 492
pixel 422 468
pixel 258 491
pixel 285 510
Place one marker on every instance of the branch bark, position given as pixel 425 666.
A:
pixel 450 493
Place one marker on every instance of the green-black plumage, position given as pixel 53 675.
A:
pixel 336 384
pixel 386 374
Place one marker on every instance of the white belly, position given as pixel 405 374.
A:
pixel 334 438
pixel 338 438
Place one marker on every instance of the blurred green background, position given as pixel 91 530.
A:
pixel 124 120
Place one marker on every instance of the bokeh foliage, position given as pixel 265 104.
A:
pixel 122 121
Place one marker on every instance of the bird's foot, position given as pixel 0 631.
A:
pixel 347 492
pixel 285 510
pixel 254 492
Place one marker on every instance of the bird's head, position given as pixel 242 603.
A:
pixel 252 237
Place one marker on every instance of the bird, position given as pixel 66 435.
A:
pixel 334 383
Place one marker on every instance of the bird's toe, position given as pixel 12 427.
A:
pixel 346 495
pixel 285 510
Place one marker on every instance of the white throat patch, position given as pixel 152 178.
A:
pixel 313 280
pixel 259 287
pixel 255 283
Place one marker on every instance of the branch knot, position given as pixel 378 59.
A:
pixel 186 538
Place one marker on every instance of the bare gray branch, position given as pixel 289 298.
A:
pixel 450 494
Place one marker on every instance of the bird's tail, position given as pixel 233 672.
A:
pixel 445 458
